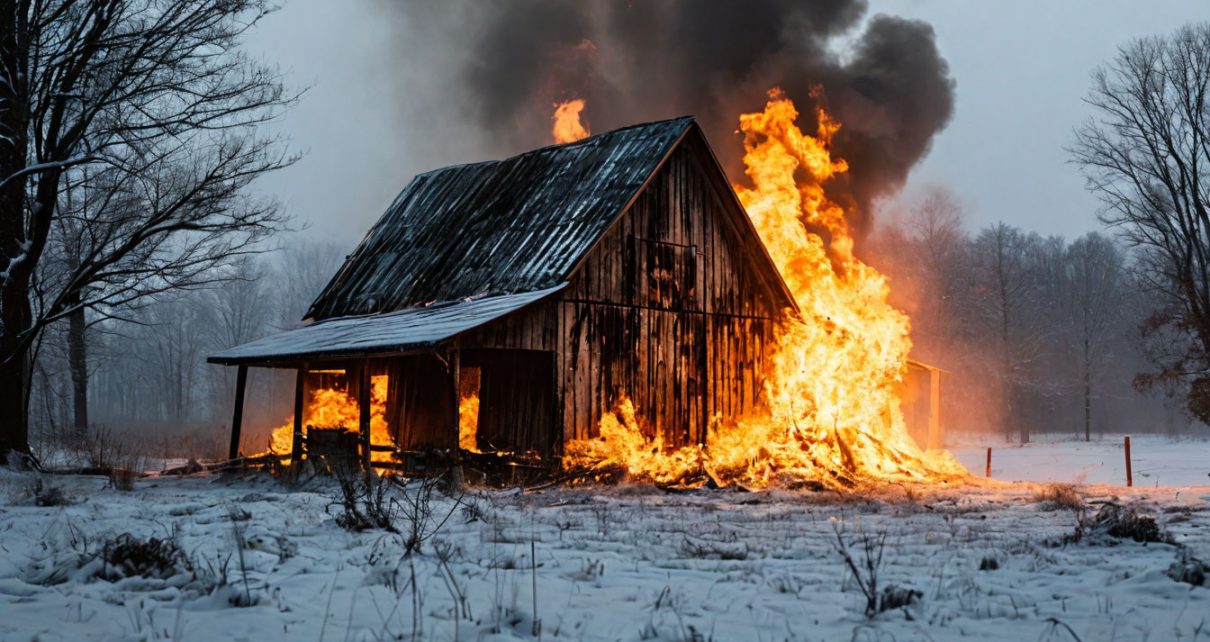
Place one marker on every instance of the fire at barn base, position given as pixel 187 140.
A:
pixel 606 304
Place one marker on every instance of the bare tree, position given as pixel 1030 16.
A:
pixel 1001 256
pixel 936 227
pixel 306 268
pixel 147 112
pixel 1146 154
pixel 1094 308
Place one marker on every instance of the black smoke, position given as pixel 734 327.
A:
pixel 642 60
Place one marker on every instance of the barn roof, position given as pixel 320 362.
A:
pixel 392 333
pixel 497 227
pixel 464 245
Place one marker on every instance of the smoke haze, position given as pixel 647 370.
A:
pixel 637 61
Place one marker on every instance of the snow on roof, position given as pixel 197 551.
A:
pixel 401 332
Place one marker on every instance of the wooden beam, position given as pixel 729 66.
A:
pixel 296 448
pixel 237 420
pixel 456 387
pixel 363 409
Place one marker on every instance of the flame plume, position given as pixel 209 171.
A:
pixel 833 410
pixel 567 127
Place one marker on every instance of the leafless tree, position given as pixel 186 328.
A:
pixel 147 114
pixel 1146 154
pixel 936 228
pixel 1094 308
pixel 1004 289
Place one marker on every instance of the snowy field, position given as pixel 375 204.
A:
pixel 269 562
pixel 1157 460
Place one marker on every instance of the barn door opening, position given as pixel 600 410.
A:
pixel 515 392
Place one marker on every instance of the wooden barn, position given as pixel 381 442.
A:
pixel 550 284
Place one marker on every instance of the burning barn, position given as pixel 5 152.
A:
pixel 504 306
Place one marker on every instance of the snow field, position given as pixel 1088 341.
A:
pixel 623 563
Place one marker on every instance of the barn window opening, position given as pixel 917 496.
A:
pixel 468 408
pixel 331 421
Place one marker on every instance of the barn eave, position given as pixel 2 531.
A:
pixel 403 332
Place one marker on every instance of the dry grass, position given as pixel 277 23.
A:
pixel 1060 497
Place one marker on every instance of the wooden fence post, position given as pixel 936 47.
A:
pixel 989 462
pixel 1129 472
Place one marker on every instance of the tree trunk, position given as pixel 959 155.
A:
pixel 15 314
pixel 1088 395
pixel 14 376
pixel 77 358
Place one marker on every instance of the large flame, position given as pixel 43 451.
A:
pixel 567 127
pixel 833 411
pixel 332 408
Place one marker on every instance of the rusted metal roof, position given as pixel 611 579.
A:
pixel 392 333
pixel 498 227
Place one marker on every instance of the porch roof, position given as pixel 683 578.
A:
pixel 407 331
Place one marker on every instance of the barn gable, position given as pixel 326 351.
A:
pixel 496 227
pixel 501 227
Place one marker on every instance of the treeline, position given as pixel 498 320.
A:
pixel 1036 333
pixel 147 376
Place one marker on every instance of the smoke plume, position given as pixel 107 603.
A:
pixel 642 60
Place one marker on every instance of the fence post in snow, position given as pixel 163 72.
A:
pixel 989 461
pixel 1129 473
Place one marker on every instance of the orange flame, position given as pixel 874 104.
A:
pixel 330 408
pixel 567 127
pixel 468 423
pixel 833 411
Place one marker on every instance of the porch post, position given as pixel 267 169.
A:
pixel 237 420
pixel 363 407
pixel 296 448
pixel 456 388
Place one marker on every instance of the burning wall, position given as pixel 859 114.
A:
pixel 832 389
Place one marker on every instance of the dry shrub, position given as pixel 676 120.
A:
pixel 1189 569
pixel 364 499
pixel 40 493
pixel 122 479
pixel 129 556
pixel 1114 522
pixel 1060 497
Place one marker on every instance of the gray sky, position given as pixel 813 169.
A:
pixel 367 126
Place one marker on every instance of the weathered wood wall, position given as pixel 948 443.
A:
pixel 669 309
pixel 419 406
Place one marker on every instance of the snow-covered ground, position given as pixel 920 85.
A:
pixel 623 563
pixel 1156 460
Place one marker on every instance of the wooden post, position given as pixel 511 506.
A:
pixel 989 462
pixel 936 439
pixel 1129 472
pixel 237 420
pixel 456 387
pixel 296 448
pixel 363 407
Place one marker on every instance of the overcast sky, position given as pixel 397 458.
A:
pixel 366 125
